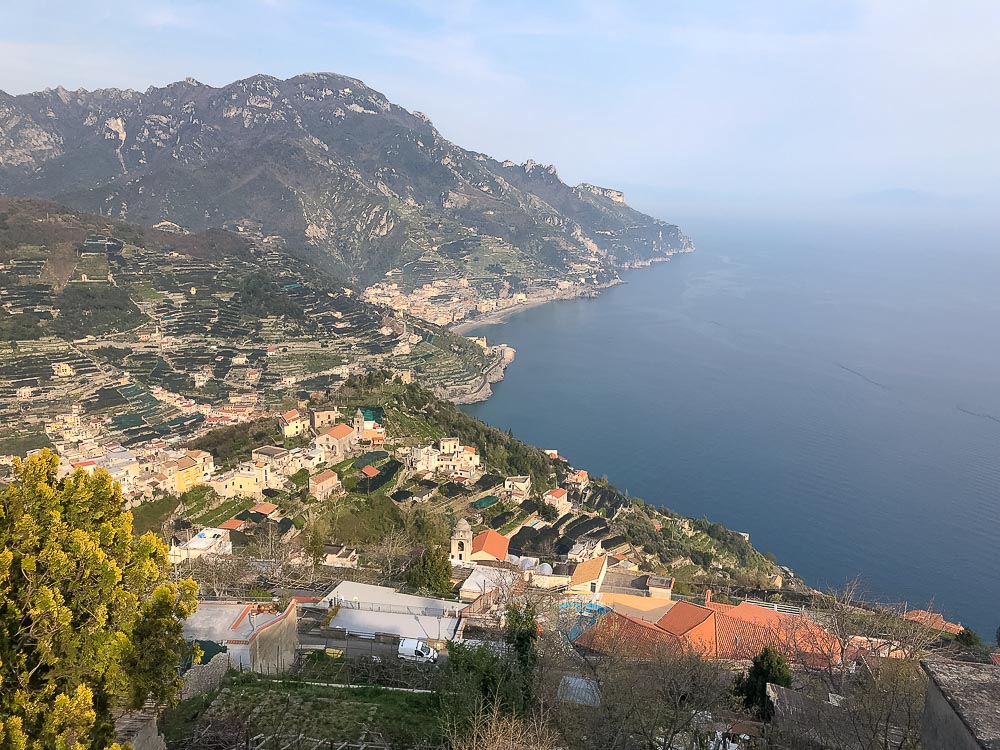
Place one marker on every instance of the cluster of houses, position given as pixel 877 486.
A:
pixel 269 468
pixel 449 457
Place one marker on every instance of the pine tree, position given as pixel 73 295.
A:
pixel 768 666
pixel 431 571
pixel 89 623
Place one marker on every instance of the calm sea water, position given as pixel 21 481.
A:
pixel 832 391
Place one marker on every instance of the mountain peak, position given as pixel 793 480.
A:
pixel 333 168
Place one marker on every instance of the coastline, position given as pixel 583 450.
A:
pixel 499 316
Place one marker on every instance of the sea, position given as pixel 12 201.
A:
pixel 830 387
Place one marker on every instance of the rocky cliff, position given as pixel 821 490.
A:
pixel 344 175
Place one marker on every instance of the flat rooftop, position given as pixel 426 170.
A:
pixel 206 538
pixel 973 691
pixel 366 609
pixel 219 622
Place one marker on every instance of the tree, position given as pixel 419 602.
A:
pixel 659 694
pixel 317 535
pixel 431 571
pixel 91 625
pixel 873 664
pixel 521 635
pixel 390 554
pixel 768 666
pixel 969 639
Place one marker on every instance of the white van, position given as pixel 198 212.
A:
pixel 411 649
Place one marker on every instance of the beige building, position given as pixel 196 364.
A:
pixel 324 484
pixel 519 487
pixel 588 576
pixel 337 441
pixel 558 498
pixel 324 417
pixel 293 423
pixel 247 480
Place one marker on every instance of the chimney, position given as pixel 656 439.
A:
pixel 708 597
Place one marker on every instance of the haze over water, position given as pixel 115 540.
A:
pixel 830 389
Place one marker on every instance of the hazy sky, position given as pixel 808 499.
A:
pixel 704 101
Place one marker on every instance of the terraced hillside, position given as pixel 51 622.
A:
pixel 90 307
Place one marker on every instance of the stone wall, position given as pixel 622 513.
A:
pixel 204 678
pixel 139 729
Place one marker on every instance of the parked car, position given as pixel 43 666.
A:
pixel 411 649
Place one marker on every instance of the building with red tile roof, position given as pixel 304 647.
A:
pixel 233 524
pixel 933 620
pixel 370 471
pixel 741 632
pixel 293 423
pixel 489 545
pixel 265 509
pixel 338 431
pixel 587 576
pixel 559 499
pixel 324 484
pixel 620 635
pixel 337 440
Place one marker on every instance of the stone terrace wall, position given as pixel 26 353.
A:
pixel 204 678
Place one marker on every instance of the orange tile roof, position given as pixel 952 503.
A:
pixel 339 431
pixel 743 631
pixel 324 476
pixel 995 658
pixel 589 570
pixel 469 448
pixel 290 416
pixel 370 471
pixel 233 524
pixel 621 635
pixel 265 508
pixel 491 543
pixel 683 617
pixel 558 493
pixel 933 620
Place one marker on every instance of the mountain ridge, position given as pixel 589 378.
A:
pixel 343 174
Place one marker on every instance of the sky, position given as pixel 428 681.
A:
pixel 818 104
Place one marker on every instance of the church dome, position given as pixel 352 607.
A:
pixel 463 525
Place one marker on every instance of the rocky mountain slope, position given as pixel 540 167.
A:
pixel 342 174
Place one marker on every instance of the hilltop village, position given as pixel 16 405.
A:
pixel 337 534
